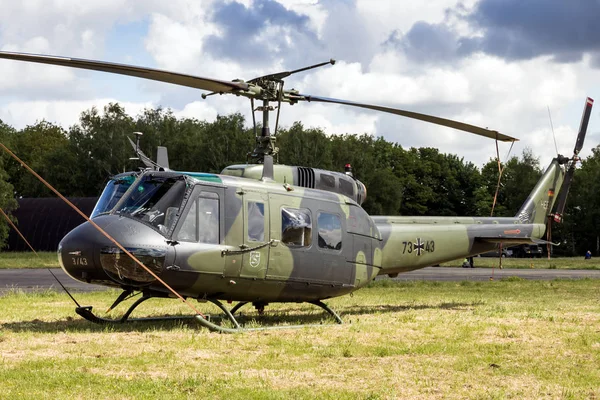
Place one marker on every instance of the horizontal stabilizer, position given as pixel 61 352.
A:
pixel 514 240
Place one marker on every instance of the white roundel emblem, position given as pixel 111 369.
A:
pixel 254 259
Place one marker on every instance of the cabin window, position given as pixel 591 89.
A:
pixel 296 227
pixel 256 221
pixel 327 181
pixel 330 231
pixel 347 187
pixel 202 221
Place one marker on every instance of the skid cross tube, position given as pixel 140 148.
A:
pixel 88 314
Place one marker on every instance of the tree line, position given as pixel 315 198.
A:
pixel 423 181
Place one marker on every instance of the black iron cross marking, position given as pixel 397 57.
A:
pixel 419 247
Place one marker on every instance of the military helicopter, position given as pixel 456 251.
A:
pixel 262 232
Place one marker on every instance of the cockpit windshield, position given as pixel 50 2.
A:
pixel 112 193
pixel 155 200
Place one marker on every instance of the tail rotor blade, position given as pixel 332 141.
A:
pixel 563 194
pixel 585 119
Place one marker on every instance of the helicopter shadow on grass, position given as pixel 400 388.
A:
pixel 279 319
pixel 393 308
pixel 80 325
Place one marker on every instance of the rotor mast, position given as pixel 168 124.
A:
pixel 271 90
pixel 265 143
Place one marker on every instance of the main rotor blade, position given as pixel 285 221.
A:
pixel 197 82
pixel 423 117
pixel 284 74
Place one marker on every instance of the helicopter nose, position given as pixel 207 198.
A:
pixel 87 255
pixel 77 257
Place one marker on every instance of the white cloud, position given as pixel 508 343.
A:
pixel 199 110
pixel 313 9
pixel 63 112
pixel 481 90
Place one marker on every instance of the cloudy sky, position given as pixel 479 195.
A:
pixel 493 63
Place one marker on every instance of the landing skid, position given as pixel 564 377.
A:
pixel 318 303
pixel 87 313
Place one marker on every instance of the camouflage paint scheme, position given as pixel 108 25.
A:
pixel 459 237
pixel 241 269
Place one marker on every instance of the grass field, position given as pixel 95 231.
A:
pixel 540 263
pixel 10 259
pixel 502 339
pixel 49 260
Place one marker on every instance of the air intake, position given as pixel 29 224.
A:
pixel 306 177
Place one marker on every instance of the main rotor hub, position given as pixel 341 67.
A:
pixel 265 146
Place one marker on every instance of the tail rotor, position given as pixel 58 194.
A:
pixel 571 162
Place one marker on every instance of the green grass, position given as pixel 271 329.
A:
pixel 499 339
pixel 540 263
pixel 46 259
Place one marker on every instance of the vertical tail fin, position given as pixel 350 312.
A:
pixel 541 199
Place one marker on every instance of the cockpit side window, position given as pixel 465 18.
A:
pixel 208 206
pixel 189 229
pixel 201 224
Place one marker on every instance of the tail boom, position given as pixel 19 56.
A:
pixel 409 246
pixel 415 242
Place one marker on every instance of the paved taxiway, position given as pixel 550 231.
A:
pixel 41 279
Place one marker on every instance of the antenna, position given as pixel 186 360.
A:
pixel 552 127
pixel 137 145
pixel 138 135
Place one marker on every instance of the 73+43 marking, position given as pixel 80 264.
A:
pixel 419 247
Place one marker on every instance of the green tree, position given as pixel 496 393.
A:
pixel 518 179
pixel 304 147
pixel 224 142
pixel 580 230
pixel 7 198
pixel 101 148
pixel 36 145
